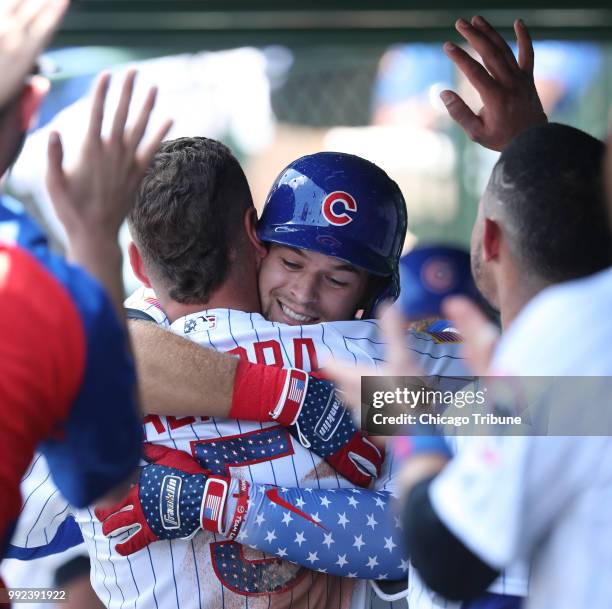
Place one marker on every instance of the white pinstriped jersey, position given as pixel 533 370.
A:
pixel 194 573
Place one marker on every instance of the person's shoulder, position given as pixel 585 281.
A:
pixel 17 227
pixel 577 290
pixel 353 329
pixel 574 313
pixel 567 305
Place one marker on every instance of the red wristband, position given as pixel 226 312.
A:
pixel 257 389
pixel 268 393
pixel 242 507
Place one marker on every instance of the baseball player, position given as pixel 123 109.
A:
pixel 232 330
pixel 567 514
pixel 52 391
pixel 481 476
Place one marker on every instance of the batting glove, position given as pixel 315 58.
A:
pixel 174 498
pixel 313 412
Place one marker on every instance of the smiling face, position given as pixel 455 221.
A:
pixel 298 286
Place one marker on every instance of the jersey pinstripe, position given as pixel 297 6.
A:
pixel 188 574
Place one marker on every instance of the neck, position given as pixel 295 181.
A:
pixel 238 293
pixel 221 299
pixel 514 293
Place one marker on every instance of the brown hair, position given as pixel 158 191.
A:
pixel 188 215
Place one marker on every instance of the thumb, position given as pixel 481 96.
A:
pixel 479 334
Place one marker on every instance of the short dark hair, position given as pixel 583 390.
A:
pixel 188 216
pixel 549 181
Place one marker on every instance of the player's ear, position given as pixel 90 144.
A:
pixel 491 240
pixel 138 265
pixel 32 97
pixel 250 229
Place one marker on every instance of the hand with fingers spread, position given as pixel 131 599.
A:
pixel 93 197
pixel 506 86
pixel 26 26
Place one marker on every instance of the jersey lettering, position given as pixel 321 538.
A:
pixel 311 362
pixel 251 577
pixel 269 346
pixel 174 423
pixel 218 455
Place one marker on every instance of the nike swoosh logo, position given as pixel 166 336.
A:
pixel 274 497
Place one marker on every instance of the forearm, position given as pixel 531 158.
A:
pixel 436 552
pixel 178 377
pixel 101 258
pixel 357 533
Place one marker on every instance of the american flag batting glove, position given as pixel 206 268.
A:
pixel 173 499
pixel 314 413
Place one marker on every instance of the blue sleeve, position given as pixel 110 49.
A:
pixel 67 536
pixel 99 444
pixel 345 532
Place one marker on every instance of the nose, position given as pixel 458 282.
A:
pixel 304 289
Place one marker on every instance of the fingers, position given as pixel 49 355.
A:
pixel 123 107
pixel 125 506
pixel 119 522
pixel 11 8
pixel 45 20
pixel 481 24
pixel 141 123
pixel 55 156
pixel 29 10
pixel 171 457
pixel 399 359
pixel 479 334
pixel 479 78
pixel 154 452
pixel 134 543
pixel 493 59
pixel 149 150
pixel 525 46
pixel 348 380
pixel 461 113
pixel 97 110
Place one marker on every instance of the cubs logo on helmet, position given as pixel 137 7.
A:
pixel 335 205
pixel 439 275
pixel 343 206
pixel 430 273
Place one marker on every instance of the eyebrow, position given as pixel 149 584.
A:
pixel 343 266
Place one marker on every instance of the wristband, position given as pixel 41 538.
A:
pixel 256 387
pixel 242 506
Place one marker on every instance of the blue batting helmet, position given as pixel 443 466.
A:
pixel 430 273
pixel 343 206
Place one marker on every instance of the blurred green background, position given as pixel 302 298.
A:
pixel 360 76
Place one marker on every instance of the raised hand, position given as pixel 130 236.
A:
pixel 93 197
pixel 26 26
pixel 505 84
